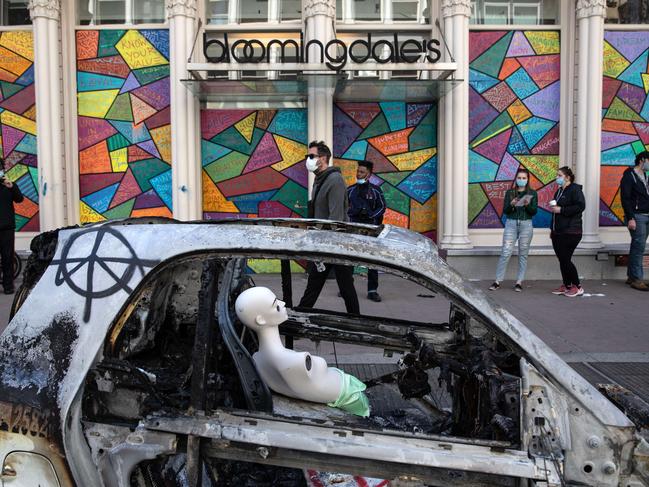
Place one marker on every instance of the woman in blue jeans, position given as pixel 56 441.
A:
pixel 521 203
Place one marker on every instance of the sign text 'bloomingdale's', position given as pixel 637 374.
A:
pixel 335 51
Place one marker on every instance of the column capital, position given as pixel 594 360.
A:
pixel 185 8
pixel 48 9
pixel 451 8
pixel 591 8
pixel 319 7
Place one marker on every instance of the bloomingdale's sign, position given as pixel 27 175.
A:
pixel 336 52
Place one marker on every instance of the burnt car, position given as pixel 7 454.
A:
pixel 124 364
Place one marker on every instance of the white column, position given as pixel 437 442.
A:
pixel 45 15
pixel 454 191
pixel 319 17
pixel 590 15
pixel 185 130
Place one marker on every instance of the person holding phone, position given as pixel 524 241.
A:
pixel 521 204
pixel 9 194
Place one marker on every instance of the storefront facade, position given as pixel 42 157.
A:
pixel 99 120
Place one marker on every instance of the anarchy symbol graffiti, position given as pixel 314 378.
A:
pixel 98 263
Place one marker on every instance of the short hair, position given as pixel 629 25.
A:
pixel 323 149
pixel 641 156
pixel 368 164
pixel 568 172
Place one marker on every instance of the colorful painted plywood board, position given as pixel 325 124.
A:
pixel 124 123
pixel 625 115
pixel 514 95
pixel 18 123
pixel 401 140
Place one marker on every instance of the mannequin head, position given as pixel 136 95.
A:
pixel 259 308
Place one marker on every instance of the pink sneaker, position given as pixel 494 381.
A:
pixel 574 291
pixel 560 290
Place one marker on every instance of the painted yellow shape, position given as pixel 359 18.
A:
pixel 616 206
pixel 139 52
pixel 409 161
pixel 13 62
pixel 518 112
pixel 88 215
pixel 31 113
pixel 614 62
pixel 423 218
pixel 544 42
pixel 347 169
pixel 290 151
pixel 21 42
pixel 16 172
pixel 119 160
pixel 645 82
pixel 18 122
pixel 213 199
pixel 246 127
pixel 544 167
pixel 162 138
pixel 95 103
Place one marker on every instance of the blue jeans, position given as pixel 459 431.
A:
pixel 638 243
pixel 521 230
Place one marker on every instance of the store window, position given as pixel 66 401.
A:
pixel 516 12
pixel 383 10
pixel 14 12
pixel 627 12
pixel 98 12
pixel 252 11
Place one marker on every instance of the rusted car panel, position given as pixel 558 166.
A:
pixel 569 430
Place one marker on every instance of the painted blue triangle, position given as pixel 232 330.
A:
pixel 356 151
pixel 96 82
pixel 249 203
pixel 481 169
pixel 100 200
pixel 28 145
pixel 210 152
pixel 395 113
pixel 481 82
pixel 162 186
pixel 159 38
pixel 632 74
pixel 534 129
pixel 645 109
pixel 27 188
pixel 521 83
pixel 134 133
pixel 516 143
pixel 618 156
pixel 422 183
pixel 130 84
pixel 27 78
pixel 291 124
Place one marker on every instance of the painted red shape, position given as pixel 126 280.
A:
pixel 381 163
pixel 274 209
pixel 21 101
pixel 10 139
pixel 127 189
pixel 361 113
pixel 32 225
pixel 259 181
pixel 643 131
pixel 494 148
pixel 549 144
pixel 89 183
pixel 610 182
pixel 87 43
pixel 216 121
pixel 496 193
pixel 110 66
pixel 93 130
pixel 479 42
pixel 135 153
pixel 544 70
pixel 266 153
pixel 163 117
pixel 609 90
pixel 393 142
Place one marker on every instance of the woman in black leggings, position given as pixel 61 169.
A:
pixel 567 207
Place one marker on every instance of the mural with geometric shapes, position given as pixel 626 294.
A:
pixel 514 95
pixel 18 123
pixel 401 140
pixel 625 115
pixel 124 123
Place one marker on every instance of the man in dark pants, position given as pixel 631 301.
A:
pixel 9 194
pixel 328 202
pixel 367 205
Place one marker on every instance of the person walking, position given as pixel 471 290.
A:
pixel 566 229
pixel 367 205
pixel 9 194
pixel 521 204
pixel 634 190
pixel 329 202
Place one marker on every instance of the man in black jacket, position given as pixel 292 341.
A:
pixel 634 190
pixel 9 194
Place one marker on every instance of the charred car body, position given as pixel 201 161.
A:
pixel 124 365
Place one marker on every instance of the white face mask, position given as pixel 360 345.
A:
pixel 312 163
pixel 361 181
pixel 645 166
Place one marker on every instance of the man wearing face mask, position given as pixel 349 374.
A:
pixel 328 202
pixel 634 190
pixel 367 205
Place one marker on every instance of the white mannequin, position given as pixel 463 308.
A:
pixel 294 374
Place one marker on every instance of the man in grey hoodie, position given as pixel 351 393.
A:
pixel 328 202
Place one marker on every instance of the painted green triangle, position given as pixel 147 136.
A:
pixel 149 75
pixel 232 139
pixel 9 89
pixel 621 111
pixel 147 169
pixel 120 211
pixel 425 134
pixel 107 41
pixel 491 60
pixel 502 123
pixel 121 109
pixel 21 221
pixel 33 172
pixel 395 199
pixel 293 196
pixel 638 147
pixel 477 201
pixel 379 126
pixel 394 178
pixel 228 166
pixel 117 141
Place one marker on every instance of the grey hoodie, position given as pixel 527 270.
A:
pixel 331 198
